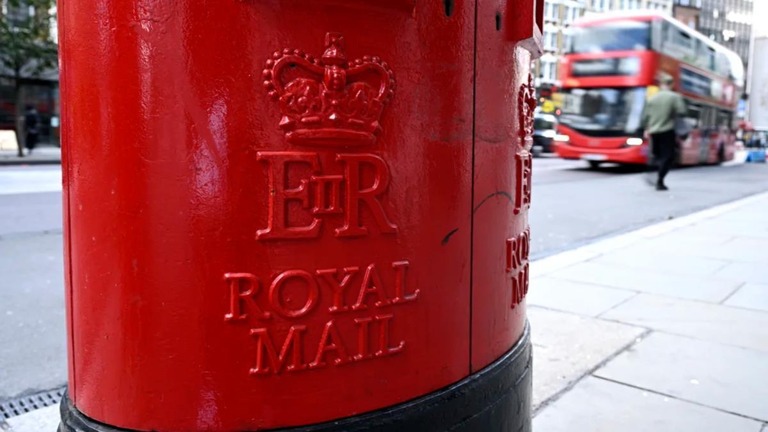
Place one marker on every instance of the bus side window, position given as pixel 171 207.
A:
pixel 680 44
pixel 686 42
pixel 723 65
pixel 658 34
pixel 709 119
pixel 725 121
pixel 706 119
pixel 693 117
pixel 710 56
pixel 705 56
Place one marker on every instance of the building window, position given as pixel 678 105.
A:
pixel 550 11
pixel 568 42
pixel 571 14
pixel 548 69
pixel 550 40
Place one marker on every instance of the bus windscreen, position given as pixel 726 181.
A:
pixel 615 36
pixel 603 112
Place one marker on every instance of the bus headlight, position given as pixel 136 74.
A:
pixel 634 141
pixel 561 138
pixel 628 66
pixel 549 134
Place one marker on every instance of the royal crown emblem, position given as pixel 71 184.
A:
pixel 526 104
pixel 329 101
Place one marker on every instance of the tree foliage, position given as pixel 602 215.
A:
pixel 26 45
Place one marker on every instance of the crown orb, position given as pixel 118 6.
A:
pixel 334 39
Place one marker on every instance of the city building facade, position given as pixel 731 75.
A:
pixel 727 22
pixel 37 88
pixel 559 15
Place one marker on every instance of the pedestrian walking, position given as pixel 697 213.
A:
pixel 660 117
pixel 32 128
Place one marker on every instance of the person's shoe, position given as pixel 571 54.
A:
pixel 661 187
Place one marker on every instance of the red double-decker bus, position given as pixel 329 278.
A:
pixel 610 72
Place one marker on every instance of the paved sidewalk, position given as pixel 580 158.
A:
pixel 661 329
pixel 42 155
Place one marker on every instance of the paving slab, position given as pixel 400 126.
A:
pixel 749 249
pixel 728 228
pixel 689 235
pixel 663 261
pixel 596 405
pixel 649 281
pixel 575 297
pixel 715 323
pixel 562 260
pixel 566 347
pixel 750 296
pixel 728 378
pixel 746 272
pixel 749 213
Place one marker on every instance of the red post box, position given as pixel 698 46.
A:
pixel 293 215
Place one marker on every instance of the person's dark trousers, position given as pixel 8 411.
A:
pixel 664 146
pixel 31 142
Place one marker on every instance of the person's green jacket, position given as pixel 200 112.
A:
pixel 661 111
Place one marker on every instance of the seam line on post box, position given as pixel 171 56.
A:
pixel 67 233
pixel 472 191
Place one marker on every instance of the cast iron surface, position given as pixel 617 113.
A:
pixel 496 399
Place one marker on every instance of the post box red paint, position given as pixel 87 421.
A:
pixel 297 215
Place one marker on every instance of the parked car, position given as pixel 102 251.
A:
pixel 544 130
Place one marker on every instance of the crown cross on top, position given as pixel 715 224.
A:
pixel 329 101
